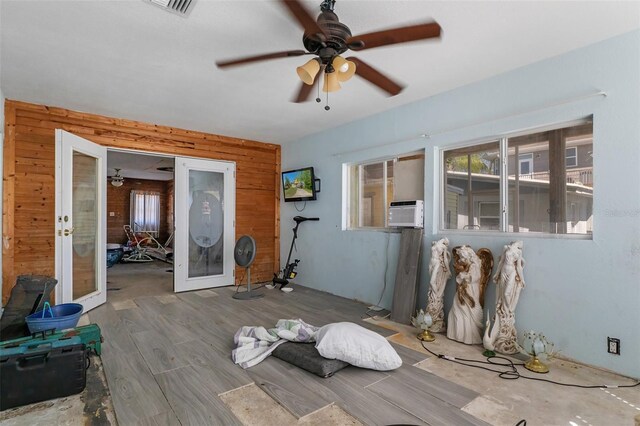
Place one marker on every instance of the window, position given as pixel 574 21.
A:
pixel 550 198
pixel 372 186
pixel 526 164
pixel 471 178
pixel 571 157
pixel 145 212
pixel 489 215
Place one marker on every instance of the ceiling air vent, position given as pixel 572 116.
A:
pixel 179 7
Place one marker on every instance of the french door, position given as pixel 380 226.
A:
pixel 80 255
pixel 205 199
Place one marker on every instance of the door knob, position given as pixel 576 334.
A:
pixel 68 232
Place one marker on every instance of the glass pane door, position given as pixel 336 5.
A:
pixel 205 232
pixel 85 224
pixel 206 223
pixel 81 221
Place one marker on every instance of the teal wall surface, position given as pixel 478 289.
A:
pixel 578 291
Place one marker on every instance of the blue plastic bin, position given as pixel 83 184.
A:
pixel 114 256
pixel 58 317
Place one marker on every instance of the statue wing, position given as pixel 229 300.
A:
pixel 456 257
pixel 486 257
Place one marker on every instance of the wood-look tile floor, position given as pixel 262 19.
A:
pixel 167 360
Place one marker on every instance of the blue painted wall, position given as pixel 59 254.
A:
pixel 577 292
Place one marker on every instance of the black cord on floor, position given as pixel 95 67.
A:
pixel 512 372
pixel 252 288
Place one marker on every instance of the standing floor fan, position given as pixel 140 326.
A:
pixel 244 254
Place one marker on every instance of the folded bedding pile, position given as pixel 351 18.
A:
pixel 254 344
pixel 337 345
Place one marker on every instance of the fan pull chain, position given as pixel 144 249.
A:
pixel 318 100
pixel 327 107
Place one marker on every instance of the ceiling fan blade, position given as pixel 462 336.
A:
pixel 306 89
pixel 394 36
pixel 304 18
pixel 303 93
pixel 374 76
pixel 256 58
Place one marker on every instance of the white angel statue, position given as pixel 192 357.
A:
pixel 440 272
pixel 509 279
pixel 473 271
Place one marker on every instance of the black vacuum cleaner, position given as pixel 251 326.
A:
pixel 289 271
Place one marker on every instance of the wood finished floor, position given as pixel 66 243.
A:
pixel 167 360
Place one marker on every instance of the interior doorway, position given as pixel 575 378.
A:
pixel 140 215
pixel 127 206
pixel 170 224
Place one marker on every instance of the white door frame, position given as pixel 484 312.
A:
pixel 183 166
pixel 66 144
pixel 176 253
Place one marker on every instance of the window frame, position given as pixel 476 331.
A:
pixel 146 199
pixel 574 156
pixel 529 160
pixel 347 202
pixel 347 195
pixel 504 187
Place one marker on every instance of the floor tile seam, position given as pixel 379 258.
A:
pixel 152 375
pixel 454 408
pixel 377 381
pixel 274 397
pixel 241 387
pixel 149 365
pixel 396 405
pixel 329 399
pixel 425 390
pixel 164 395
pixel 172 369
pixel 314 411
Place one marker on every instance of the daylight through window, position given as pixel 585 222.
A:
pixel 548 177
pixel 372 186
pixel 145 212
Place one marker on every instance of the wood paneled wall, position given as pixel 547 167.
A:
pixel 119 203
pixel 29 199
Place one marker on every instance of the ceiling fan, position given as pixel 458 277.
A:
pixel 327 38
pixel 116 180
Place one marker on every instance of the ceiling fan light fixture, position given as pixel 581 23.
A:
pixel 345 69
pixel 331 82
pixel 308 71
pixel 117 180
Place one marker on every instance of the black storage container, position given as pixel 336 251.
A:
pixel 42 374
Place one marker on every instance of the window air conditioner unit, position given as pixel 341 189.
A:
pixel 408 214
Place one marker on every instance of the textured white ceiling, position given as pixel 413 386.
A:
pixel 139 166
pixel 131 59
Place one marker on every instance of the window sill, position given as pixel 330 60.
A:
pixel 388 230
pixel 517 235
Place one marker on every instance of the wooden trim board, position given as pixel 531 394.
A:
pixel 29 171
pixel 405 291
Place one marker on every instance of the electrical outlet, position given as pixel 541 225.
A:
pixel 613 345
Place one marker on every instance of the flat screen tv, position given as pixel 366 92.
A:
pixel 299 185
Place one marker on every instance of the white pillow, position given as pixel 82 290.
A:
pixel 356 345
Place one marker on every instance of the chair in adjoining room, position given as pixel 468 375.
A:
pixel 137 245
